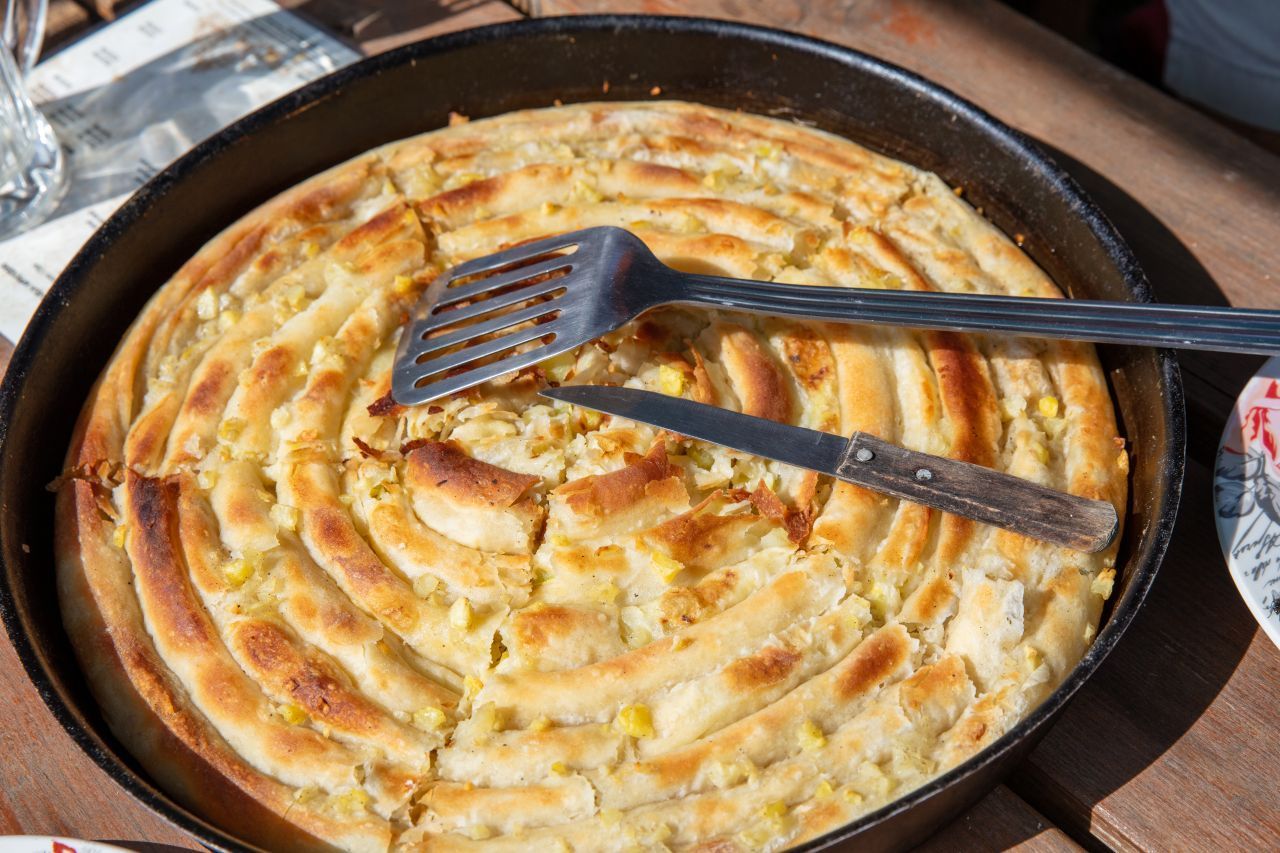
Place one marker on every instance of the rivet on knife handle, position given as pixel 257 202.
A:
pixel 978 493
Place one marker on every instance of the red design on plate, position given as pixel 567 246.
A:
pixel 1261 421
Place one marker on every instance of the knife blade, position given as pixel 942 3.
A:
pixel 961 488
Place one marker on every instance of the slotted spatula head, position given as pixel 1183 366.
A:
pixel 502 312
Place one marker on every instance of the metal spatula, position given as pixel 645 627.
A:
pixel 515 308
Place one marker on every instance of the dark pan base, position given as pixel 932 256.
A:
pixel 530 64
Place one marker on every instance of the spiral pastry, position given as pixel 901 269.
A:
pixel 320 619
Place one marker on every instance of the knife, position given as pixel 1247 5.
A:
pixel 952 486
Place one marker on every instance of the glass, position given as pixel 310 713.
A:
pixel 31 167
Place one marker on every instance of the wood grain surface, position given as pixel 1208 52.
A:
pixel 1174 744
pixel 977 492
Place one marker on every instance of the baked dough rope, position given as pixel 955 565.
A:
pixel 616 639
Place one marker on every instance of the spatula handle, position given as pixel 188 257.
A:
pixel 978 493
pixel 1246 330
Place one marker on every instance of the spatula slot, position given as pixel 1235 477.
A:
pixel 503 357
pixel 499 284
pixel 468 338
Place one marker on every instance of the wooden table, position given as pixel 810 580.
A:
pixel 1175 743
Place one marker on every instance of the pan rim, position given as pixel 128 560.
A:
pixel 1143 563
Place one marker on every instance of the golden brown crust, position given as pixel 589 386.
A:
pixel 155 719
pixel 602 495
pixel 457 477
pixel 319 618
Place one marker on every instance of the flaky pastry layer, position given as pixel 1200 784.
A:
pixel 320 619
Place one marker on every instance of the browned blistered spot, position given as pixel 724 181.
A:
pixel 603 494
pixel 272 366
pixel 149 504
pixel 871 663
pixel 808 356
pixel 703 390
pixel 314 233
pixel 339 622
pixel 326 385
pixel 760 384
pixel 966 395
pixel 319 201
pixel 676 143
pixel 443 466
pixel 796 522
pixel 305 608
pixel 208 395
pixel 148 435
pixel 766 667
pixel 939 679
pixel 820 814
pixel 542 626
pixel 934 596
pixel 386 255
pixel 700 538
pixel 377 229
pixel 245 508
pixel 264 646
pixel 371 581
pixel 649 333
pixel 385 406
pixel 152 534
pixel 331 529
pixel 689 604
pixel 268 260
pixel 702 126
pixel 228 684
pixel 968 734
pixel 655 173
pixel 307 681
pixel 365 450
pixel 240 255
pixel 467 197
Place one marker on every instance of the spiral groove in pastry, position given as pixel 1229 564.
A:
pixel 319 618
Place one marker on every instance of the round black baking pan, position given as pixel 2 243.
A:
pixel 492 70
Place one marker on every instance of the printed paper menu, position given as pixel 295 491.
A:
pixel 132 97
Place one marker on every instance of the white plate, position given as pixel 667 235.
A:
pixel 49 844
pixel 1246 496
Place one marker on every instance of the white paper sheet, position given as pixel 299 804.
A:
pixel 132 97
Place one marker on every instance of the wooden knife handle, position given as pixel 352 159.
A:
pixel 979 493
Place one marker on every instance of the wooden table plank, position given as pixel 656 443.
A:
pixel 1000 821
pixel 1175 742
pixel 379 25
pixel 66 19
pixel 49 787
